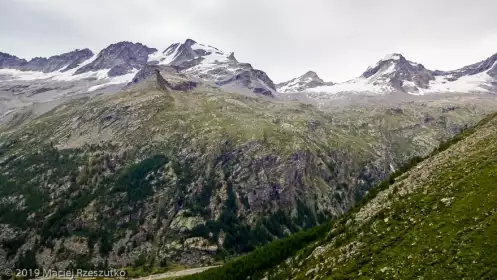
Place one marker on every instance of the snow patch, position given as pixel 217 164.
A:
pixel 392 56
pixel 356 85
pixel 390 69
pixel 26 75
pixel 472 83
pixel 214 55
pixel 100 75
pixel 156 56
pixel 115 80
pixel 378 83
pixel 56 75
pixel 165 58
pixel 293 85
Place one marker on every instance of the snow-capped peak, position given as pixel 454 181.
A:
pixel 488 65
pixel 210 64
pixel 393 56
pixel 309 80
pixel 310 74
pixel 189 54
pixel 394 73
pixel 395 60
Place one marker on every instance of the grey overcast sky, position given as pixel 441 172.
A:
pixel 338 39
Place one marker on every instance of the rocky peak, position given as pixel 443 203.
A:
pixel 232 58
pixel 149 76
pixel 62 62
pixel 395 57
pixel 311 74
pixel 10 61
pixel 488 65
pixel 77 57
pixel 309 80
pixel 387 65
pixel 154 77
pixel 210 64
pixel 400 74
pixel 255 80
pixel 121 58
pixel 190 53
pixel 6 55
pixel 35 64
pixel 189 42
pixel 182 52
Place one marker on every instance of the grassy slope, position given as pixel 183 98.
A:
pixel 436 221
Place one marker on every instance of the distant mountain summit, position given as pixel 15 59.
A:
pixel 309 80
pixel 210 64
pixel 62 62
pixel 8 61
pixel 488 66
pixel 120 58
pixel 394 74
pixel 188 54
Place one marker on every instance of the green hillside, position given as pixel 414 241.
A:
pixel 437 220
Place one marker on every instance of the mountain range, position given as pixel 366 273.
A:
pixel 139 156
pixel 119 62
pixel 52 80
pixel 396 74
pixel 82 72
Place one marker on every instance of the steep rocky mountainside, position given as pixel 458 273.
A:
pixel 171 169
pixel 435 218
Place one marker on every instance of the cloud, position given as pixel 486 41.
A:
pixel 285 38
